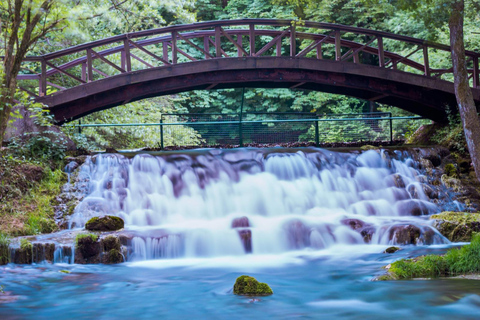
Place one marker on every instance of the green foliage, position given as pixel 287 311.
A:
pixel 25 244
pixel 452 135
pixel 456 261
pixel 40 146
pixel 450 170
pixel 4 248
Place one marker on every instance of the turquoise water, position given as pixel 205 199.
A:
pixel 306 285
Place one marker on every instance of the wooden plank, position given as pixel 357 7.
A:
pixel 240 53
pixel 338 48
pixel 346 56
pixel 252 39
pixel 165 52
pixel 56 85
pixel 293 41
pixel 128 59
pixel 42 86
pixel 425 61
pixel 141 60
pixel 223 52
pixel 194 45
pixel 319 51
pixel 89 65
pixel 476 79
pixel 396 62
pixel 381 53
pixel 184 53
pixel 110 63
pixel 206 46
pixel 279 48
pixel 174 47
pixel 100 72
pixel 84 71
pixel 218 43
pixel 151 53
pixel 64 72
pixel 239 46
pixel 356 58
pixel 270 44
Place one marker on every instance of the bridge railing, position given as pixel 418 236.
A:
pixel 207 130
pixel 168 46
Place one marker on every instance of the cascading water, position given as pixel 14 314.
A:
pixel 208 203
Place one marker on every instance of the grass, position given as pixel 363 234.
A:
pixel 92 236
pixel 28 194
pixel 4 248
pixel 465 260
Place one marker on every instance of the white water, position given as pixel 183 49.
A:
pixel 183 205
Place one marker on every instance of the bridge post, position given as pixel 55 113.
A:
pixel 128 60
pixel 381 53
pixel 476 79
pixel 174 47
pixel 293 41
pixel 317 140
pixel 338 51
pixel 252 40
pixel 218 46
pixel 161 132
pixel 89 65
pixel 319 51
pixel 425 61
pixel 42 90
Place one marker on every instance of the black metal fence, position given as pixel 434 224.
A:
pixel 216 129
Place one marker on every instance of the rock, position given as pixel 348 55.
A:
pixel 395 180
pixel 106 223
pixel 414 207
pixel 457 226
pixel 354 224
pixel 111 248
pixel 43 252
pixel 367 234
pixel 241 222
pixel 246 238
pixel 71 166
pixel 451 182
pixel 24 254
pixel 426 164
pixel 404 234
pixel 464 165
pixel 249 286
pixel 391 250
pixel 87 249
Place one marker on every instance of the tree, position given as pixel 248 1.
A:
pixel 22 23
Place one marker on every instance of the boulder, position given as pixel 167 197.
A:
pixel 391 250
pixel 111 248
pixel 106 223
pixel 249 286
pixel 87 249
pixel 246 238
pixel 405 234
pixel 457 226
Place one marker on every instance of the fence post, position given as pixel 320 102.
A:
pixel 240 126
pixel 79 126
pixel 161 133
pixel 391 127
pixel 317 142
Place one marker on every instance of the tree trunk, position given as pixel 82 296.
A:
pixel 6 104
pixel 463 93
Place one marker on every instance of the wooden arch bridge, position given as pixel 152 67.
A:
pixel 363 63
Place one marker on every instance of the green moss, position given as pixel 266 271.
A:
pixel 450 170
pixel 456 261
pixel 65 271
pixel 391 249
pixel 80 237
pixel 246 285
pixel 106 223
pixel 113 256
pixel 457 226
pixel 110 243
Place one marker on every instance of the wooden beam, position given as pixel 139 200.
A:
pixel 425 61
pixel 252 39
pixel 64 72
pixel 141 60
pixel 239 47
pixel 165 52
pixel 55 85
pixel 84 71
pixel 108 61
pixel 174 47
pixel 319 51
pixel 100 72
pixel 338 48
pixel 184 53
pixel 476 79
pixel 396 62
pixel 89 65
pixel 151 53
pixel 218 43
pixel 297 85
pixel 240 53
pixel 381 53
pixel 194 45
pixel 279 48
pixel 128 59
pixel 270 44
pixel 210 87
pixel 223 52
pixel 42 86
pixel 206 46
pixel 293 40
pixel 347 56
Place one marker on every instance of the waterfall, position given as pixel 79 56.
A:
pixel 207 203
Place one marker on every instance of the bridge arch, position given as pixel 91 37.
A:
pixel 225 54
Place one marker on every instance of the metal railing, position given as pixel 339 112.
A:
pixel 207 130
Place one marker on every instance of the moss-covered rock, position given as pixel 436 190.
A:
pixel 450 170
pixel 106 223
pixel 111 250
pixel 391 250
pixel 457 226
pixel 113 256
pixel 249 286
pixel 87 249
pixel 24 254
